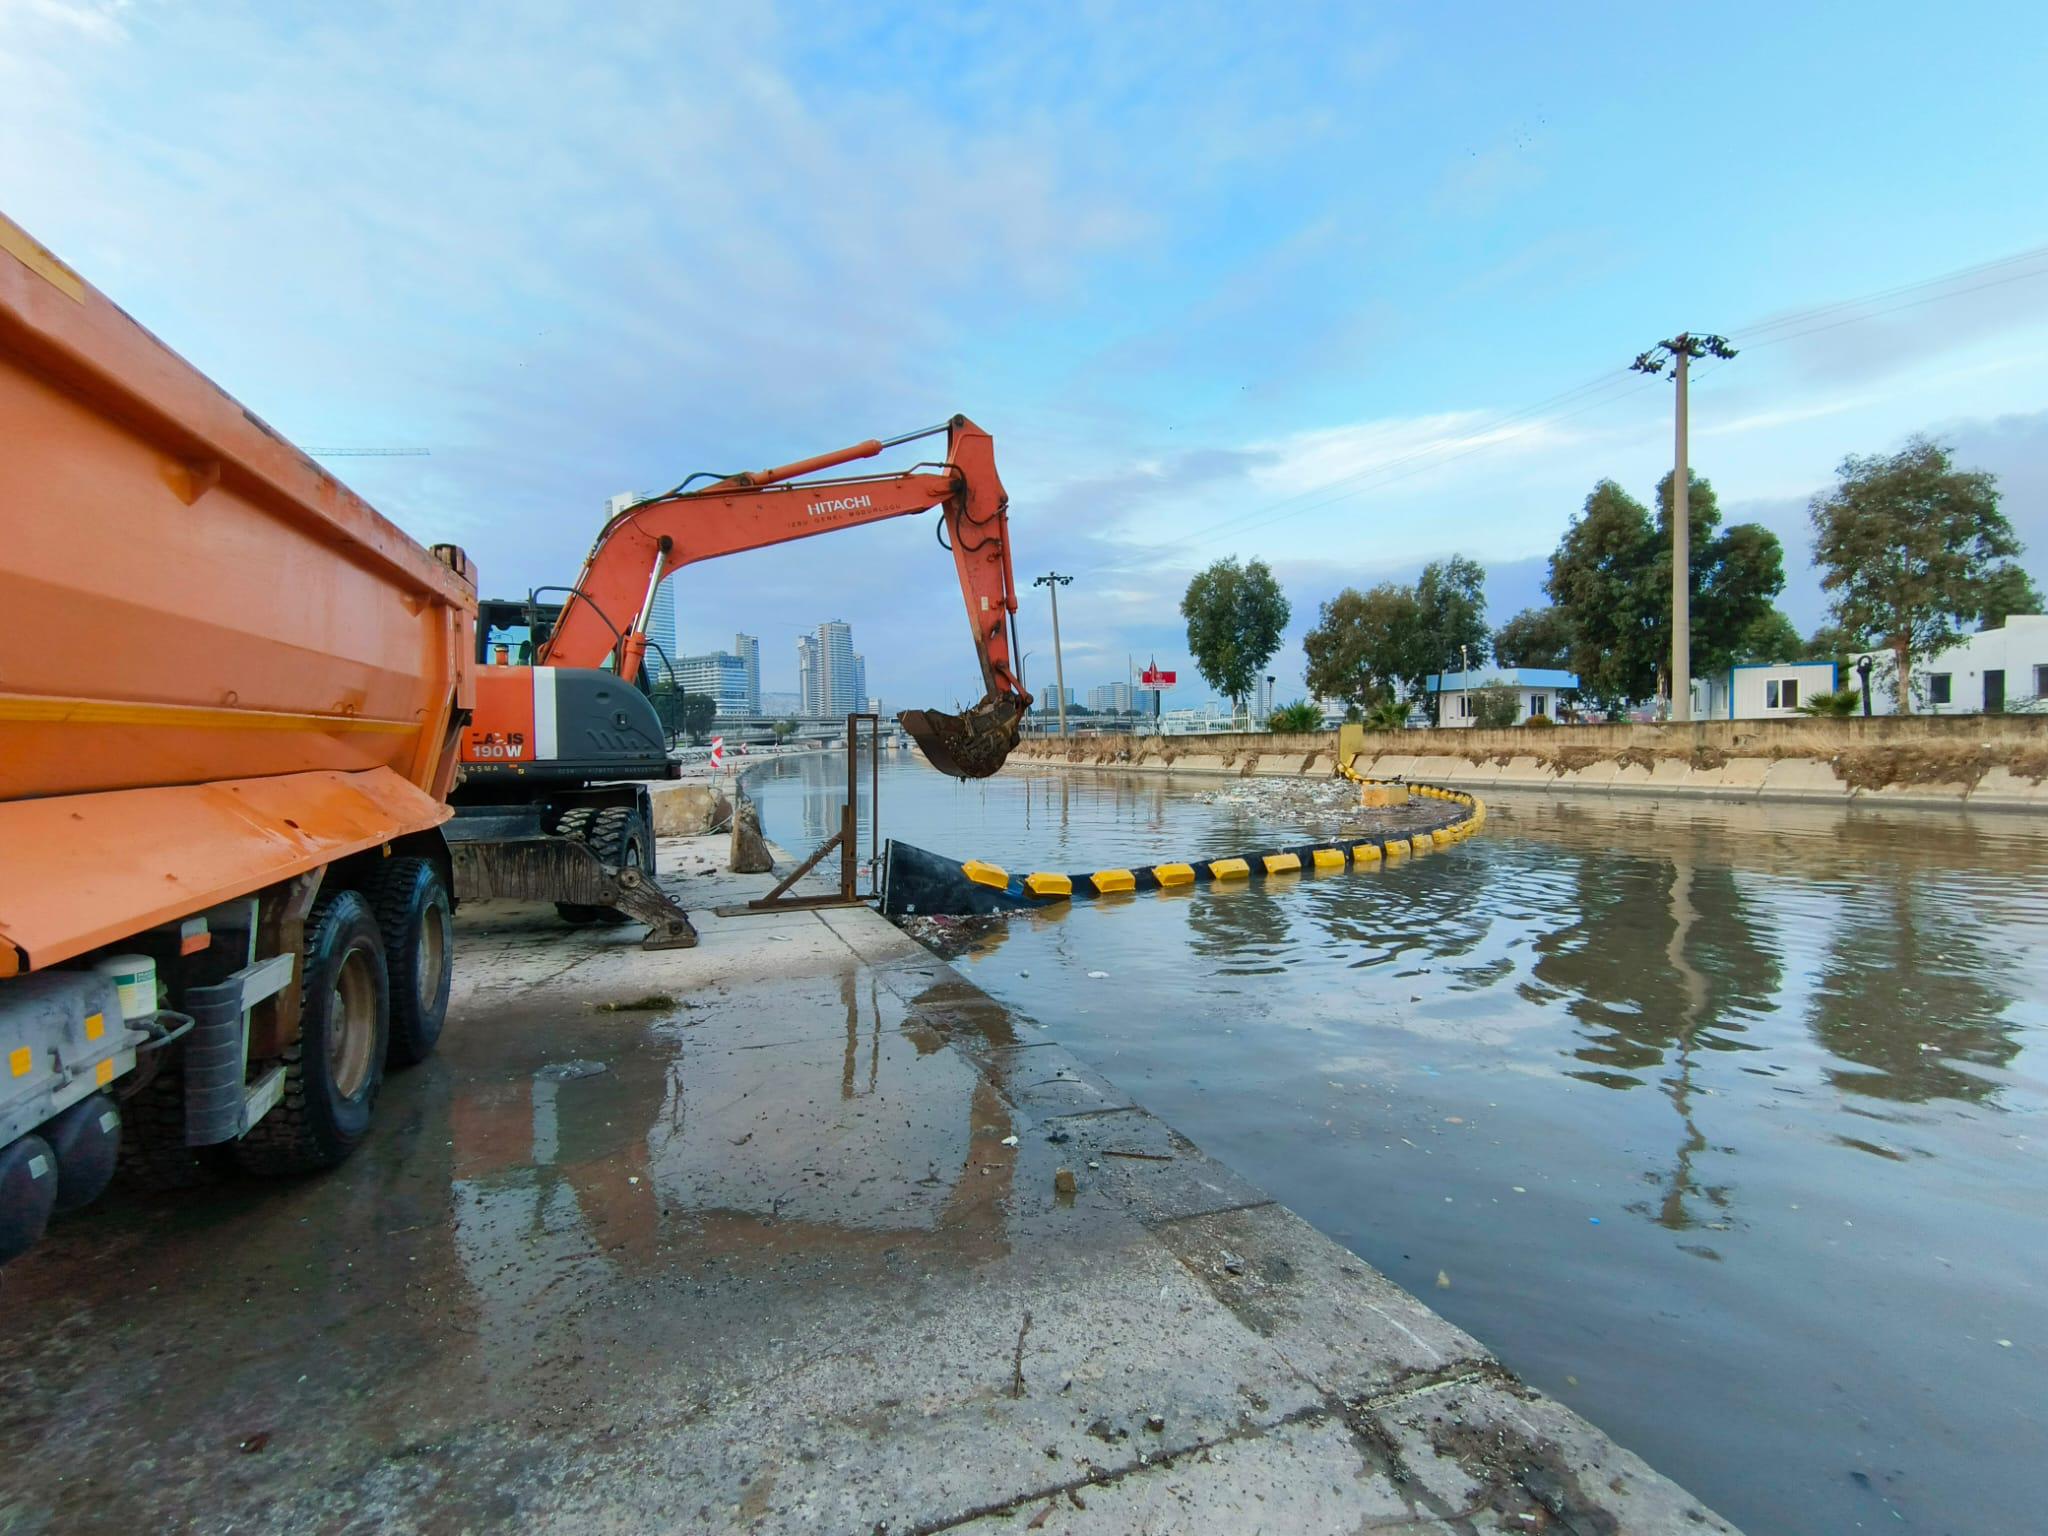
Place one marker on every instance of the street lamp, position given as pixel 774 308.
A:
pixel 1055 581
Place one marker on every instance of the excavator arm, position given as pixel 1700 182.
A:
pixel 607 612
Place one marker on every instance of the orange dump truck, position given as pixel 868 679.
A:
pixel 230 694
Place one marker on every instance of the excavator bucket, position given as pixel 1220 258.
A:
pixel 970 745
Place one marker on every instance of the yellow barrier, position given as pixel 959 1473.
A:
pixel 1229 869
pixel 1174 874
pixel 982 873
pixel 1328 858
pixel 1049 885
pixel 1282 863
pixel 1109 880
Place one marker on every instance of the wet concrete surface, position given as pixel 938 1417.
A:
pixel 778 1248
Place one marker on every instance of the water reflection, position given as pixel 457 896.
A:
pixel 1909 998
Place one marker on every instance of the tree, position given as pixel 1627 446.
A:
pixel 680 713
pixel 1611 580
pixel 1388 714
pixel 1831 642
pixel 1770 638
pixel 2007 591
pixel 1600 579
pixel 1364 646
pixel 1372 647
pixel 1496 706
pixel 1294 718
pixel 784 729
pixel 1911 548
pixel 1450 607
pixel 1535 637
pixel 1235 615
pixel 1735 574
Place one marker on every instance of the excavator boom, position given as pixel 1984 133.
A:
pixel 606 615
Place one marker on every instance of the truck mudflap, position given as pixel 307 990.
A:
pixel 508 857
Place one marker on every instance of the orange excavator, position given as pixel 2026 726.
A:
pixel 560 737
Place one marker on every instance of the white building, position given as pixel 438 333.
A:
pixel 1110 699
pixel 839 690
pixel 1762 690
pixel 808 672
pixel 720 675
pixel 1989 672
pixel 1536 691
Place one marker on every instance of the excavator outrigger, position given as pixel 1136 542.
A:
pixel 548 807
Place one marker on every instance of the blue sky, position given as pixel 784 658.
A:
pixel 1277 281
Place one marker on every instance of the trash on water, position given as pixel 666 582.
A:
pixel 1063 1182
pixel 1594 1220
pixel 652 1002
pixel 1009 1141
pixel 1443 1280
pixel 1098 975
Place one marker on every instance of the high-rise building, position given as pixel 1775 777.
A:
pixel 837 694
pixel 1262 704
pixel 721 675
pixel 807 680
pixel 748 648
pixel 860 684
pixel 664 642
pixel 1110 699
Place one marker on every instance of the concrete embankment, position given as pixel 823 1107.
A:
pixel 766 1235
pixel 1997 762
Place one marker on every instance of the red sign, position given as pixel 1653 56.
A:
pixel 1152 677
pixel 718 751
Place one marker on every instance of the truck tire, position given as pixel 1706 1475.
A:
pixel 333 1070
pixel 153 1158
pixel 619 837
pixel 418 923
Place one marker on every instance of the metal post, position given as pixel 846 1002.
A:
pixel 1681 560
pixel 1055 581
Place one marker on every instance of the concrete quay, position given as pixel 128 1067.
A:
pixel 764 1236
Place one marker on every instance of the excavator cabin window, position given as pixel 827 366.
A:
pixel 507 631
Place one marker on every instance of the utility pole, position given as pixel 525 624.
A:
pixel 1679 351
pixel 1055 581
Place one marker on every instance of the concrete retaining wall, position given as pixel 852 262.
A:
pixel 1990 762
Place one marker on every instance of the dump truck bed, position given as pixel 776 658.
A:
pixel 222 666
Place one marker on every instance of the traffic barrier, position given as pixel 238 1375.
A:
pixel 918 881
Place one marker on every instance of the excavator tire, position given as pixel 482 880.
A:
pixel 619 837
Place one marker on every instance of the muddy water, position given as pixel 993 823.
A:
pixel 1724 1124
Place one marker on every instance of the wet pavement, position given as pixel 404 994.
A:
pixel 763 1236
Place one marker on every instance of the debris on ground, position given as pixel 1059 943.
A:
pixel 1063 1182
pixel 651 1002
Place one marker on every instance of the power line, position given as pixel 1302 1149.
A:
pixel 368 453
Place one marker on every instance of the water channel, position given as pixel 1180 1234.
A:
pixel 1722 1123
